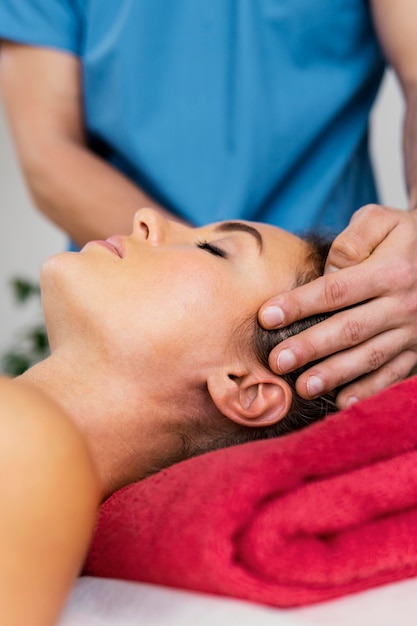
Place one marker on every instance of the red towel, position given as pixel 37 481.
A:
pixel 320 513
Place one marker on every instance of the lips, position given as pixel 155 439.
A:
pixel 112 244
pixel 117 244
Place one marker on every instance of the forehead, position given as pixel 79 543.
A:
pixel 273 236
pixel 277 256
pixel 283 251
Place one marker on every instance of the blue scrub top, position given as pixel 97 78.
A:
pixel 224 109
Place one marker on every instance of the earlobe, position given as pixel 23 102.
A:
pixel 256 398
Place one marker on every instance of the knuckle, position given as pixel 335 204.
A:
pixel 376 359
pixel 347 247
pixel 311 352
pixel 409 306
pixel 335 293
pixel 388 374
pixel 405 273
pixel 371 211
pixel 399 277
pixel 353 332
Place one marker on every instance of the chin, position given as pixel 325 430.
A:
pixel 62 287
pixel 53 267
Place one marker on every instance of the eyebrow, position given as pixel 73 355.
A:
pixel 227 227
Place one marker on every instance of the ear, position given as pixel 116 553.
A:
pixel 256 398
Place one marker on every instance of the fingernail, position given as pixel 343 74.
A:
pixel 351 400
pixel 332 268
pixel 314 386
pixel 286 361
pixel 273 316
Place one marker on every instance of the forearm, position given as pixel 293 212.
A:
pixel 410 144
pixel 74 188
pixel 396 26
pixel 81 193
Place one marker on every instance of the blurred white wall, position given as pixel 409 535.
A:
pixel 26 238
pixel 386 143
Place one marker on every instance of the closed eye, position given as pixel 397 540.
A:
pixel 205 245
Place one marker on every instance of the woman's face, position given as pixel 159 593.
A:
pixel 168 296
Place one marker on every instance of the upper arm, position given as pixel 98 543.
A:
pixel 41 91
pixel 396 25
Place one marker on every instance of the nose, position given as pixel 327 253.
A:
pixel 150 225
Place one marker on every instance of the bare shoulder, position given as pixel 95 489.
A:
pixel 49 494
pixel 37 429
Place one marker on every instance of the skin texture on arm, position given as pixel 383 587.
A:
pixel 78 191
pixel 397 33
pixel 49 495
pixel 371 267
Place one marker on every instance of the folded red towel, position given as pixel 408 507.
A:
pixel 327 511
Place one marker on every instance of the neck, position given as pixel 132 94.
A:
pixel 121 424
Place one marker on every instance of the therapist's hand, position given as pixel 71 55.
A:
pixel 372 264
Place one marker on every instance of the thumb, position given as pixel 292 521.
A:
pixel 367 229
pixel 347 249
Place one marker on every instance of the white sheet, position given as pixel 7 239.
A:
pixel 106 602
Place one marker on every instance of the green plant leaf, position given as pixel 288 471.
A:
pixel 32 344
pixel 23 289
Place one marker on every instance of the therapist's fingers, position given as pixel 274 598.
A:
pixel 363 343
pixel 392 372
pixel 367 229
pixel 343 330
pixel 357 279
pixel 332 292
pixel 371 366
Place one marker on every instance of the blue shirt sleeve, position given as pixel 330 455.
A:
pixel 49 23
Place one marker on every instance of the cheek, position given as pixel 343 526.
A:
pixel 184 298
pixel 176 310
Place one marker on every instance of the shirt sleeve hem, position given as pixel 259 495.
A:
pixel 55 44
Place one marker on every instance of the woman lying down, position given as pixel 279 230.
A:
pixel 156 356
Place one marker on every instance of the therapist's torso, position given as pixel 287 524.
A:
pixel 224 109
